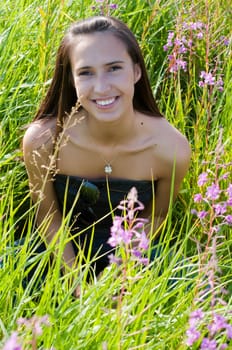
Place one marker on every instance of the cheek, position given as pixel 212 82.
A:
pixel 129 79
pixel 128 84
pixel 80 89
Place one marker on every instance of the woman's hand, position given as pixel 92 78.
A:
pixel 77 292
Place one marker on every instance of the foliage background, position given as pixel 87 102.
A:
pixel 152 315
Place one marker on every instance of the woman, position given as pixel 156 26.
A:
pixel 114 138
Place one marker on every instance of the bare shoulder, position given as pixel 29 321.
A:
pixel 171 143
pixel 167 139
pixel 176 143
pixel 171 147
pixel 39 134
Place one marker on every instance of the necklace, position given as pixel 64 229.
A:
pixel 108 169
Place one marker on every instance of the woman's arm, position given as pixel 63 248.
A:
pixel 174 160
pixel 37 151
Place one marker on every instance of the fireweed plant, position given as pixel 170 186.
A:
pixel 103 7
pixel 128 231
pixel 183 44
pixel 129 239
pixel 196 98
pixel 210 326
pixel 26 337
pixel 195 64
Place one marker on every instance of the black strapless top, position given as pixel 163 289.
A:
pixel 90 201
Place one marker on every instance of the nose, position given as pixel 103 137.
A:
pixel 101 84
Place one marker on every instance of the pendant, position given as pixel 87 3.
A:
pixel 108 169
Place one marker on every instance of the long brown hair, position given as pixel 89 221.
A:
pixel 61 95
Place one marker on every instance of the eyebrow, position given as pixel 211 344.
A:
pixel 106 64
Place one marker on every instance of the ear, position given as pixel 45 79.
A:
pixel 137 73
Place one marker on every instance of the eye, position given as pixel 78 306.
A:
pixel 84 73
pixel 115 68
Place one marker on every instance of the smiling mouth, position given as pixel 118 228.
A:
pixel 105 102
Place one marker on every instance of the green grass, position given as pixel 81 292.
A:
pixel 152 314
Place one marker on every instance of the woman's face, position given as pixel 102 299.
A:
pixel 104 75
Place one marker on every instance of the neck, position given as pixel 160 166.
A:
pixel 112 132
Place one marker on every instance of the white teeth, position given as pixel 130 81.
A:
pixel 105 102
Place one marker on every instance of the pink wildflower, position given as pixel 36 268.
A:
pixel 195 317
pixel 144 241
pixel 229 331
pixel 208 344
pixel 229 190
pixel 198 198
pixel 192 336
pixel 228 219
pixel 114 260
pixel 220 208
pixel 12 343
pixel 208 78
pixel 213 192
pixel 200 35
pixel 202 179
pixel 113 6
pixel 128 231
pixel 202 214
pixel 219 322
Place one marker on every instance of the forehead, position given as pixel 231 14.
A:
pixel 91 49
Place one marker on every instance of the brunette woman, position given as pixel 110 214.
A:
pixel 99 127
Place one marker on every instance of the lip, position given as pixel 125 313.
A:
pixel 105 103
